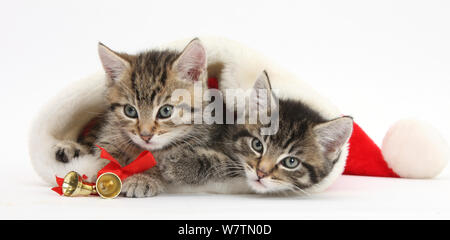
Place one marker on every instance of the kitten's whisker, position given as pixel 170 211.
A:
pixel 301 190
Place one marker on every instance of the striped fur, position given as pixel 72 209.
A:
pixel 295 138
pixel 303 134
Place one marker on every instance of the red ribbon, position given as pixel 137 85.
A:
pixel 213 83
pixel 144 161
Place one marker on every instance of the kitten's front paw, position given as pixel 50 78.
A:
pixel 141 185
pixel 67 150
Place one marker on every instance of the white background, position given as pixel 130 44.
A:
pixel 379 61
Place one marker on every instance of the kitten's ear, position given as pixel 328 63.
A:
pixel 263 82
pixel 332 135
pixel 191 63
pixel 264 105
pixel 113 63
pixel 262 98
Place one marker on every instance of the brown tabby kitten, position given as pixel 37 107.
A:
pixel 139 90
pixel 298 156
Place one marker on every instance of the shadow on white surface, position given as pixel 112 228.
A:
pixel 351 197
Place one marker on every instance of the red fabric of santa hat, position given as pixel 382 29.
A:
pixel 411 149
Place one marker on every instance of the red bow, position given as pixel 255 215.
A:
pixel 144 161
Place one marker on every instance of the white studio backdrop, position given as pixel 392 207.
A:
pixel 379 61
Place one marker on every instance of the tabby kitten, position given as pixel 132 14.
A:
pixel 142 108
pixel 140 92
pixel 140 117
pixel 298 156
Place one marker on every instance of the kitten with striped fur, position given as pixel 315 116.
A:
pixel 139 90
pixel 299 155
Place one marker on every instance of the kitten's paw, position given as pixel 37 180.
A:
pixel 141 185
pixel 67 150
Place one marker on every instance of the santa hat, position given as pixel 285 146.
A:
pixel 411 149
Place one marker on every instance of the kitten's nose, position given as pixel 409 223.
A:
pixel 260 174
pixel 146 137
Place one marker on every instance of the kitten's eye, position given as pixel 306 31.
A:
pixel 290 162
pixel 257 145
pixel 165 111
pixel 130 111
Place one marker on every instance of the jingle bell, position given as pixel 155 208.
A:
pixel 73 186
pixel 108 185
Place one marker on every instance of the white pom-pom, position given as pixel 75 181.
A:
pixel 414 149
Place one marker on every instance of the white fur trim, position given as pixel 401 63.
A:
pixel 64 117
pixel 414 149
pixel 242 66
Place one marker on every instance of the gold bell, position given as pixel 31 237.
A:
pixel 73 185
pixel 108 185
